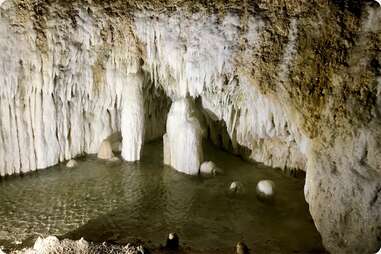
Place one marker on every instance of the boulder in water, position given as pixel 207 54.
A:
pixel 236 188
pixel 71 164
pixel 209 168
pixel 265 189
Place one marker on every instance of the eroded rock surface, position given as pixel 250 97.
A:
pixel 297 84
pixel 51 244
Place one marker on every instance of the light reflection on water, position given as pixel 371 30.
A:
pixel 146 200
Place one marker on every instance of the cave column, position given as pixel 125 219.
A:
pixel 132 117
pixel 183 140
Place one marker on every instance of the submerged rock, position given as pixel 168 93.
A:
pixel 71 164
pixel 265 189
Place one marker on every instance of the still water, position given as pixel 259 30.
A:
pixel 147 200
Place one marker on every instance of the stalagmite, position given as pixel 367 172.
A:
pixel 105 151
pixel 108 145
pixel 183 140
pixel 132 119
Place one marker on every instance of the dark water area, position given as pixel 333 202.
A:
pixel 147 200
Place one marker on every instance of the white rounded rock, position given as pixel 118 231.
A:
pixel 208 168
pixel 266 189
pixel 236 187
pixel 71 164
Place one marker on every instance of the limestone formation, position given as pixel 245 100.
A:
pixel 297 84
pixel 183 140
pixel 51 244
pixel 132 117
pixel 105 150
pixel 108 146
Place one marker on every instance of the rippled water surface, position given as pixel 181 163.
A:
pixel 146 200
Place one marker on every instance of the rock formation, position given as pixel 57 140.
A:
pixel 292 84
pixel 265 189
pixel 51 244
pixel 132 117
pixel 71 164
pixel 210 168
pixel 109 146
pixel 236 188
pixel 183 140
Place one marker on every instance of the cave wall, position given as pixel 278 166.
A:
pixel 297 83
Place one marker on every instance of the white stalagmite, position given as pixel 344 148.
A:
pixel 105 151
pixel 183 140
pixel 132 119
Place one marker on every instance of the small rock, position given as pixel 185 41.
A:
pixel 209 168
pixel 241 248
pixel 236 187
pixel 265 189
pixel 71 164
pixel 172 241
